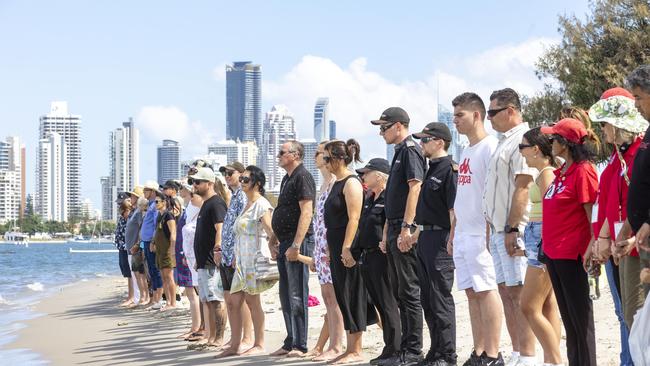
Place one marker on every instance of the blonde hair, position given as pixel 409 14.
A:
pixel 222 191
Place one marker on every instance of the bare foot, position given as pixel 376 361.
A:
pixel 255 350
pixel 280 352
pixel 346 358
pixel 328 355
pixel 167 307
pixel 127 302
pixel 227 353
pixel 296 353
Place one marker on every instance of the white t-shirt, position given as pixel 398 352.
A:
pixel 472 171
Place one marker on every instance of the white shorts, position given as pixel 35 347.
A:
pixel 474 266
pixel 510 270
pixel 210 288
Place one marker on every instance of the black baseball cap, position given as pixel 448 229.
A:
pixel 392 115
pixel 122 196
pixel 171 184
pixel 435 129
pixel 378 164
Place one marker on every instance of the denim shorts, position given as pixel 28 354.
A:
pixel 532 238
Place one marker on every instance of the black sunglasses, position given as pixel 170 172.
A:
pixel 427 139
pixel 494 112
pixel 385 127
pixel 196 182
pixel 327 159
pixel 282 152
pixel 159 201
pixel 229 173
pixel 243 179
pixel 523 146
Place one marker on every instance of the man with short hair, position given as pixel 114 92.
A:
pixel 434 237
pixel 238 201
pixel 207 248
pixel 474 266
pixel 292 232
pixel 146 235
pixel 505 206
pixel 402 191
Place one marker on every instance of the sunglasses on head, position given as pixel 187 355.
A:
pixel 385 127
pixel 244 179
pixel 494 112
pixel 427 139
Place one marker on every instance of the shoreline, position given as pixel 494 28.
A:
pixel 81 323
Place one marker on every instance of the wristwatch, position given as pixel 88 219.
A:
pixel 510 229
pixel 295 245
pixel 406 225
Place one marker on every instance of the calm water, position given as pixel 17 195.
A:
pixel 30 274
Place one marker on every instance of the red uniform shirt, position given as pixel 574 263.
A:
pixel 566 231
pixel 612 191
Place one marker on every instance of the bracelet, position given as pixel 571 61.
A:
pixel 217 249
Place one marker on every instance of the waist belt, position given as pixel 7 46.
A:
pixel 430 227
pixel 395 221
pixel 369 250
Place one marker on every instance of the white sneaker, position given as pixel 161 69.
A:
pixel 513 360
pixel 157 305
pixel 527 361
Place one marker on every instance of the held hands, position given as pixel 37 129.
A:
pixel 642 238
pixel 602 249
pixel 292 254
pixel 405 240
pixel 622 248
pixel 510 242
pixel 347 259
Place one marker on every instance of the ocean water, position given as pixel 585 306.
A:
pixel 28 275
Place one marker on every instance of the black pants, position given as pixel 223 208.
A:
pixel 406 289
pixel 373 264
pixel 436 273
pixel 571 288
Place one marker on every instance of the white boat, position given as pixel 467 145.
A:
pixel 93 250
pixel 18 238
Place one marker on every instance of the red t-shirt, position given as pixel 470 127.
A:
pixel 566 231
pixel 612 192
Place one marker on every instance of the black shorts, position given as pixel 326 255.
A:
pixel 137 262
pixel 226 273
pixel 124 263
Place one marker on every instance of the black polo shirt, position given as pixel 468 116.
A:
pixel 298 186
pixel 371 222
pixel 438 193
pixel 212 212
pixel 408 164
pixel 638 195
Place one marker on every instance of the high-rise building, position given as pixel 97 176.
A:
pixel 169 161
pixel 279 127
pixel 458 141
pixel 52 178
pixel 12 179
pixel 311 146
pixel 244 102
pixel 107 198
pixel 216 160
pixel 68 127
pixel 321 119
pixel 332 130
pixel 243 152
pixel 124 146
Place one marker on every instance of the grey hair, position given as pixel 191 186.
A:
pixel 383 176
pixel 639 78
pixel 142 203
pixel 298 148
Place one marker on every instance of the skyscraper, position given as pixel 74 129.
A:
pixel 321 118
pixel 279 127
pixel 12 179
pixel 332 130
pixel 311 146
pixel 244 102
pixel 243 152
pixel 124 146
pixel 458 142
pixel 169 161
pixel 67 128
pixel 107 198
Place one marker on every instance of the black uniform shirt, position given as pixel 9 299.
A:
pixel 408 164
pixel 638 199
pixel 438 193
pixel 371 223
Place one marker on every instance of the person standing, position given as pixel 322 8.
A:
pixel 146 235
pixel 164 245
pixel 207 249
pixel 131 231
pixel 505 206
pixel 185 235
pixel 472 259
pixel 402 191
pixel 124 207
pixel 292 232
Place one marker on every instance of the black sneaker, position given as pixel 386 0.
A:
pixel 473 360
pixel 411 359
pixel 393 360
pixel 489 361
pixel 379 359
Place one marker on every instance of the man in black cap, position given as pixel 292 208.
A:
pixel 434 236
pixel 402 190
pixel 373 261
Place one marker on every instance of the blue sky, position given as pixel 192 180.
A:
pixel 162 63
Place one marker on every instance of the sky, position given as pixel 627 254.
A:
pixel 162 63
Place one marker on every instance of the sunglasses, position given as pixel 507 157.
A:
pixel 386 127
pixel 159 201
pixel 494 112
pixel 243 179
pixel 196 182
pixel 229 173
pixel 327 159
pixel 523 146
pixel 282 153
pixel 427 139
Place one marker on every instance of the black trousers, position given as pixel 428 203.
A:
pixel 373 264
pixel 571 288
pixel 436 273
pixel 406 289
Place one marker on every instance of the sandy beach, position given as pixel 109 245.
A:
pixel 82 324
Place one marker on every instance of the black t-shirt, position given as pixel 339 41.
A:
pixel 408 164
pixel 638 195
pixel 438 193
pixel 162 222
pixel 371 223
pixel 213 211
pixel 298 186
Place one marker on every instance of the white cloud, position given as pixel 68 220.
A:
pixel 358 94
pixel 219 72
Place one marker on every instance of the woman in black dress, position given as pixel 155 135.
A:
pixel 342 212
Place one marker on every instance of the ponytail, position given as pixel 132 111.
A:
pixel 591 141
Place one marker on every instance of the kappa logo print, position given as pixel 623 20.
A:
pixel 464 173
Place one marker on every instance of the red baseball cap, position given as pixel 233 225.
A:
pixel 569 128
pixel 618 91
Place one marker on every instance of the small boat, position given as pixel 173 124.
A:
pixel 93 250
pixel 18 238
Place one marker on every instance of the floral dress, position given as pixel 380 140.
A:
pixel 249 237
pixel 320 247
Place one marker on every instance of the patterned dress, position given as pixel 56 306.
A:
pixel 237 204
pixel 320 233
pixel 192 213
pixel 250 237
pixel 182 274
